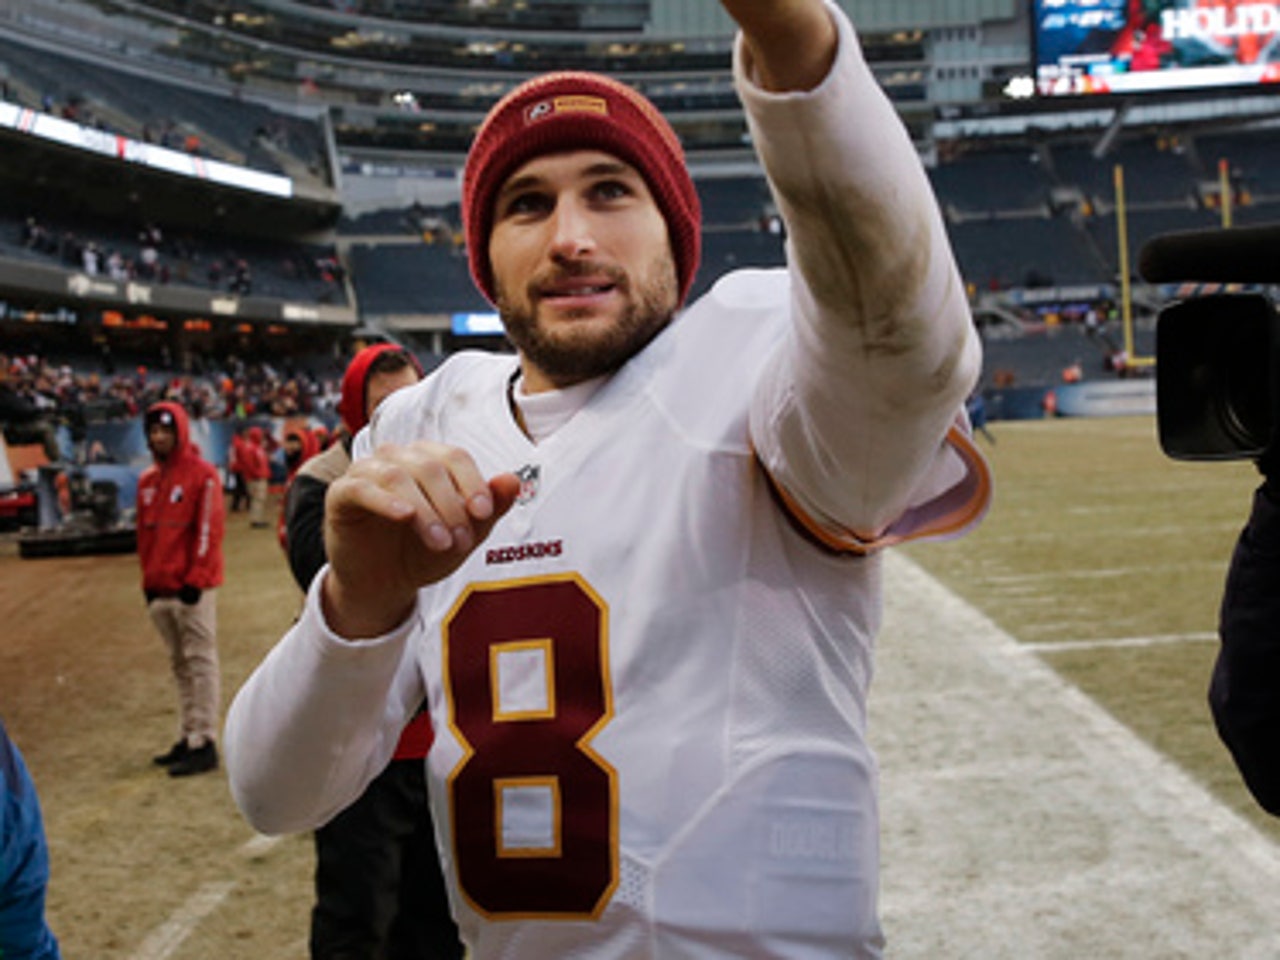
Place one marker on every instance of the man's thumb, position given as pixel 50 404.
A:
pixel 505 489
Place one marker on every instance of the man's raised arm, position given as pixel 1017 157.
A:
pixel 851 418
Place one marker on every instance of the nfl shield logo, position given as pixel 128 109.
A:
pixel 528 475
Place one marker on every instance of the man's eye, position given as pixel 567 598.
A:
pixel 611 190
pixel 524 204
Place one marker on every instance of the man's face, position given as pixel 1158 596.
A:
pixel 382 385
pixel 582 266
pixel 161 440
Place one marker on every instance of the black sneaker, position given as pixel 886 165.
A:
pixel 200 759
pixel 176 753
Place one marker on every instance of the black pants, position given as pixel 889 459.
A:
pixel 380 893
pixel 239 492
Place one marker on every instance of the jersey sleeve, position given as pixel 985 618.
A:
pixel 317 720
pixel 953 498
pixel 853 415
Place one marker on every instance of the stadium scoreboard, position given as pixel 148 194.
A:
pixel 1099 47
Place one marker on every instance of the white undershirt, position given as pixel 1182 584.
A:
pixel 546 412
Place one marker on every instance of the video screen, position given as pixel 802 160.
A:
pixel 1133 46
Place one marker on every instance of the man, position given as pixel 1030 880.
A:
pixel 299 447
pixel 256 466
pixel 634 568
pixel 180 528
pixel 379 889
pixel 235 467
pixel 1244 693
pixel 24 862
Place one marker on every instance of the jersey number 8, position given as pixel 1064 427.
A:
pixel 534 808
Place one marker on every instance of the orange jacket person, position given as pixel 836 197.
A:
pixel 180 527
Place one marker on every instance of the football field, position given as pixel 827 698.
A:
pixel 1053 787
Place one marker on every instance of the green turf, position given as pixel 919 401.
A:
pixel 1094 535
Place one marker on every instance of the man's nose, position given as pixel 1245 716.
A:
pixel 572 234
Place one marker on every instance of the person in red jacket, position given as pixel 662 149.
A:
pixel 257 473
pixel 379 887
pixel 235 467
pixel 300 445
pixel 180 526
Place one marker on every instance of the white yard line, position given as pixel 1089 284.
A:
pixel 1097 532
pixel 165 939
pixel 259 845
pixel 1022 821
pixel 1059 646
pixel 1098 573
pixel 162 942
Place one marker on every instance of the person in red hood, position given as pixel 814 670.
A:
pixel 235 466
pixel 257 473
pixel 300 445
pixel 180 526
pixel 379 887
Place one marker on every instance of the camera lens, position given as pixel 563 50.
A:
pixel 1243 399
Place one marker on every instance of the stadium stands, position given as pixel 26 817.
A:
pixel 168 114
pixel 300 271
pixel 1252 156
pixel 398 279
pixel 985 181
pixel 400 85
pixel 999 253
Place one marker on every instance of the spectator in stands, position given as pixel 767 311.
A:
pixel 90 258
pixel 379 888
pixel 24 862
pixel 180 527
pixel 241 278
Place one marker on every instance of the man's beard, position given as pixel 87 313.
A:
pixel 567 353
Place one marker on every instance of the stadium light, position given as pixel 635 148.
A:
pixel 1020 88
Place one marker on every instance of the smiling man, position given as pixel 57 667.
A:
pixel 649 685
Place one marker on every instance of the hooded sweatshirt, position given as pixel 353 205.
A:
pixel 310 447
pixel 180 516
pixel 256 465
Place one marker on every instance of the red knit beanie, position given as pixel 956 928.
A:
pixel 355 383
pixel 572 110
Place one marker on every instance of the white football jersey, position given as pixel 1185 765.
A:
pixel 648 685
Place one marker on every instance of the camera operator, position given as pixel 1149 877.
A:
pixel 1218 398
pixel 1245 690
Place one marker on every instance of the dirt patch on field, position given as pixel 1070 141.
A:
pixel 144 866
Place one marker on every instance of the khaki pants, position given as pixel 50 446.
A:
pixel 258 503
pixel 190 632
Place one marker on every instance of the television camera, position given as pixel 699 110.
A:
pixel 1217 354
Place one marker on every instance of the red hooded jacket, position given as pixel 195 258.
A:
pixel 180 516
pixel 255 465
pixel 310 447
